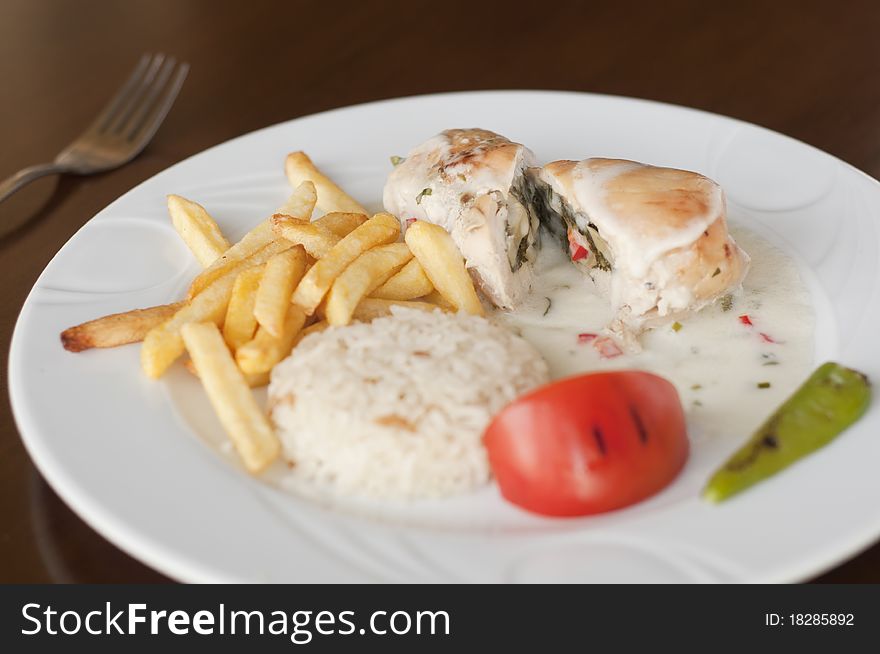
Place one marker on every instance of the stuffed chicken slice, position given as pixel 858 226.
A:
pixel 472 183
pixel 660 232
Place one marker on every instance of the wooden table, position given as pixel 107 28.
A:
pixel 808 71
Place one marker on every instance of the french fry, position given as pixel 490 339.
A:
pixel 235 405
pixel 258 380
pixel 198 230
pixel 301 203
pixel 240 324
pixel 443 264
pixel 314 328
pixel 371 307
pixel 256 239
pixel 117 329
pixel 254 381
pixel 380 229
pixel 163 344
pixel 319 236
pixel 341 223
pixel 321 311
pixel 317 240
pixel 283 272
pixel 366 273
pixel 264 350
pixel 434 297
pixel 299 168
pixel 408 284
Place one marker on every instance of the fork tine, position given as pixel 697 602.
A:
pixel 134 98
pixel 150 123
pixel 148 99
pixel 113 106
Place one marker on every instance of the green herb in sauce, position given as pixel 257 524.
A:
pixel 549 304
pixel 676 326
pixel 396 161
pixel 717 272
pixel 425 191
pixel 696 387
pixel 727 302
pixel 763 384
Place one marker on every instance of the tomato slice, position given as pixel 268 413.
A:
pixel 588 444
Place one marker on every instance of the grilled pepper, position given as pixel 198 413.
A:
pixel 829 401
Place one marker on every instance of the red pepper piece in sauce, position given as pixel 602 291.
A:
pixel 575 249
pixel 746 320
pixel 410 221
pixel 607 348
pixel 586 337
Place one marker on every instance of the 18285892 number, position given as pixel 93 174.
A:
pixel 821 619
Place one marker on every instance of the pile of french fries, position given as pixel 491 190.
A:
pixel 288 277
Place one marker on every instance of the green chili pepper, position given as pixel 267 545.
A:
pixel 829 401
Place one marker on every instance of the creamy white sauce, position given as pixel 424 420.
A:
pixel 714 360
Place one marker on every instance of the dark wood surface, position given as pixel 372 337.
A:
pixel 807 70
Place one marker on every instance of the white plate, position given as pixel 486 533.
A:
pixel 134 463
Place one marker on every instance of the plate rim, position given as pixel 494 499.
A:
pixel 153 553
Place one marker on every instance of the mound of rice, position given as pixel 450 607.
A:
pixel 396 408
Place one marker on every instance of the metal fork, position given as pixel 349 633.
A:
pixel 122 129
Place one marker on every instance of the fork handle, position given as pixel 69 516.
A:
pixel 26 175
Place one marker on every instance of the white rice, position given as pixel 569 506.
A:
pixel 396 408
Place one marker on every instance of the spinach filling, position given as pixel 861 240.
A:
pixel 520 192
pixel 539 196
